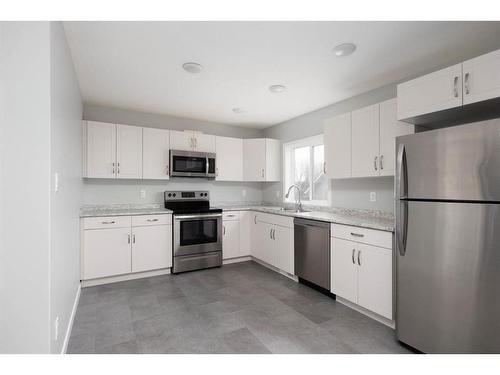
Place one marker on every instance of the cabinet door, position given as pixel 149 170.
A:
pixel 390 128
pixel 284 249
pixel 155 152
pixel 204 142
pixel 431 93
pixel 481 78
pixel 181 140
pixel 101 150
pixel 337 135
pixel 230 239
pixel 246 224
pixel 344 269
pixel 106 252
pixel 229 159
pixel 151 247
pixel 365 141
pixel 273 160
pixel 128 151
pixel 375 279
pixel 268 246
pixel 254 159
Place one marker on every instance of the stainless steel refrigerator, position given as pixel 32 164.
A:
pixel 447 188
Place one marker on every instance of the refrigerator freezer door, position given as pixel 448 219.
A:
pixel 448 280
pixel 457 163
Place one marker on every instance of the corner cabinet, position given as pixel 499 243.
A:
pixel 361 267
pixel 261 159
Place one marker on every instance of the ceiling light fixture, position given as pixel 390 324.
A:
pixel 344 49
pixel 277 88
pixel 238 110
pixel 192 67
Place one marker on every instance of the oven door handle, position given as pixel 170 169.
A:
pixel 196 216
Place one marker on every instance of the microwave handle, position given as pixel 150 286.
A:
pixel 197 216
pixel 206 165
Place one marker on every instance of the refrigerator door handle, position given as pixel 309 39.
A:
pixel 402 175
pixel 401 226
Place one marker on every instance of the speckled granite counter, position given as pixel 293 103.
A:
pixel 123 210
pixel 371 219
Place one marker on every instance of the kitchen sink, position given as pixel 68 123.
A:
pixel 292 210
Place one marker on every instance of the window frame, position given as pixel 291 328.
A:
pixel 289 168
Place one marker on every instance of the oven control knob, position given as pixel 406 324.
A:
pixel 173 195
pixel 169 194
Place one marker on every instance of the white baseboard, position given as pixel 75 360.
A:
pixel 129 276
pixel 368 313
pixel 237 260
pixel 71 320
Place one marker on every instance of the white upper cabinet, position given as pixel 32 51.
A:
pixel 100 150
pixel 390 128
pixel 481 78
pixel 337 138
pixel 155 153
pixel 191 141
pixel 204 142
pixel 229 159
pixel 261 159
pixel 365 141
pixel 430 93
pixel 128 151
pixel 181 140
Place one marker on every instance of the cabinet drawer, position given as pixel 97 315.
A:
pixel 284 221
pixel 143 220
pixel 363 235
pixel 104 222
pixel 231 216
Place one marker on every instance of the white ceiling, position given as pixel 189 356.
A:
pixel 137 65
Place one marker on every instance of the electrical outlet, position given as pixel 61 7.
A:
pixel 244 192
pixel 56 182
pixel 56 329
pixel 143 193
pixel 373 196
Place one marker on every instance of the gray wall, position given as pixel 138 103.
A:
pixel 65 157
pixel 25 199
pixel 348 193
pixel 128 191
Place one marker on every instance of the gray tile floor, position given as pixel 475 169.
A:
pixel 239 308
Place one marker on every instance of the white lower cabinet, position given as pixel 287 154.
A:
pixel 362 272
pixel 272 240
pixel 106 252
pixel 246 225
pixel 230 239
pixel 150 246
pixel 123 244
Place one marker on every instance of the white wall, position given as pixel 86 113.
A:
pixel 25 195
pixel 128 191
pixel 348 193
pixel 65 157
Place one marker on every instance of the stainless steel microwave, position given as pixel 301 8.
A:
pixel 192 164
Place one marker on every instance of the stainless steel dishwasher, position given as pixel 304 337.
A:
pixel 312 253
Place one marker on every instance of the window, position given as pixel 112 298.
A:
pixel 303 166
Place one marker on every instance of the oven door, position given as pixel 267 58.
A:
pixel 197 233
pixel 191 164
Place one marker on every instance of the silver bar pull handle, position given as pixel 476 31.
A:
pixel 375 163
pixel 401 226
pixel 113 168
pixel 455 87
pixel 152 220
pixel 271 234
pixel 381 162
pixel 466 83
pixel 167 170
pixel 108 222
pixel 255 219
pixel 128 238
pixel 353 261
pixel 224 230
pixel 357 234
pixel 324 167
pixel 359 257
pixel 133 238
pixel 274 234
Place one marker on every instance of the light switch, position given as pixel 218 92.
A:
pixel 373 196
pixel 244 192
pixel 143 193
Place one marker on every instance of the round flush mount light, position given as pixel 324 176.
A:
pixel 192 67
pixel 277 88
pixel 238 110
pixel 344 49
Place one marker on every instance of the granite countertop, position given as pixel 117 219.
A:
pixel 123 210
pixel 371 219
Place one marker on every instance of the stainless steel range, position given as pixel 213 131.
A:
pixel 197 231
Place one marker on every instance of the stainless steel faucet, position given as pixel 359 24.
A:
pixel 298 203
